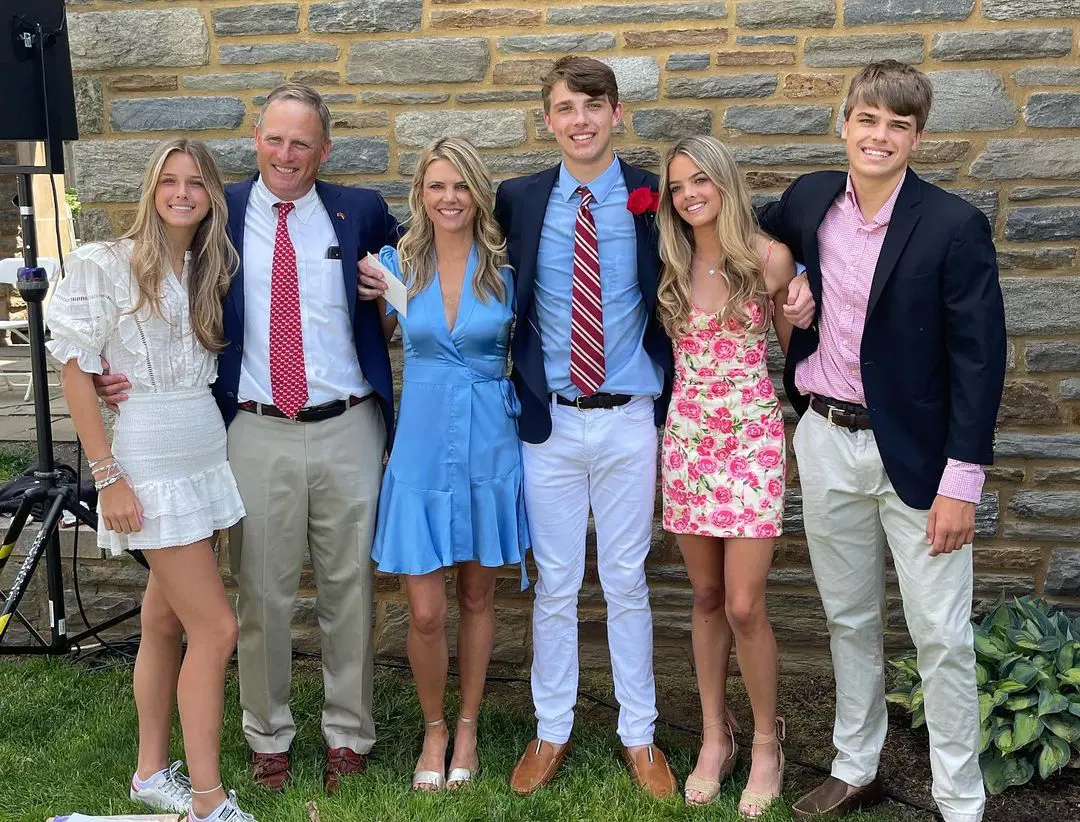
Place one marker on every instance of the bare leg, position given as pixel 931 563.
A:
pixel 476 634
pixel 429 659
pixel 189 580
pixel 712 639
pixel 746 570
pixel 157 666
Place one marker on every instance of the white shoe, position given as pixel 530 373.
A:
pixel 170 792
pixel 227 811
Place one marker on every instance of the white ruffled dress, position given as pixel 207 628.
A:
pixel 169 434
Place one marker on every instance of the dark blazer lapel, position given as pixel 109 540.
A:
pixel 810 241
pixel 648 259
pixel 345 230
pixel 236 199
pixel 904 218
pixel 533 209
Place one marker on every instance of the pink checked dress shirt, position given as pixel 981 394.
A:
pixel 849 248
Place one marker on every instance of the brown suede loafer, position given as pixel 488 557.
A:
pixel 537 766
pixel 650 770
pixel 271 770
pixel 341 762
pixel 831 799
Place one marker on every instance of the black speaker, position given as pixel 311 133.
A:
pixel 35 64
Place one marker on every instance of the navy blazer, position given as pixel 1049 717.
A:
pixel 520 205
pixel 933 352
pixel 362 223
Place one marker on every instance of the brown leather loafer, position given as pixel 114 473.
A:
pixel 537 766
pixel 271 770
pixel 341 762
pixel 650 770
pixel 831 799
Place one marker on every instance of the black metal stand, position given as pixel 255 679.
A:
pixel 50 497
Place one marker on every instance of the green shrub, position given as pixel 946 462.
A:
pixel 1028 672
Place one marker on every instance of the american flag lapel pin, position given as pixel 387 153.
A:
pixel 341 215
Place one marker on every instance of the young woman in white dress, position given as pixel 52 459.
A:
pixel 150 303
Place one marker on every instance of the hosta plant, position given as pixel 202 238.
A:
pixel 1028 671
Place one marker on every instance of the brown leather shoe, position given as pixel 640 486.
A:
pixel 831 800
pixel 271 770
pixel 341 762
pixel 650 770
pixel 537 766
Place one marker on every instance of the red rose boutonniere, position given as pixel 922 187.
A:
pixel 643 200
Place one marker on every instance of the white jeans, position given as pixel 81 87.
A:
pixel 604 459
pixel 851 512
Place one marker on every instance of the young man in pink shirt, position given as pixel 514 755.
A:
pixel 903 374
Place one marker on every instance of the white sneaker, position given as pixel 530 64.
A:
pixel 170 792
pixel 227 811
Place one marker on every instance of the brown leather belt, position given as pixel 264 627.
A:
pixel 595 401
pixel 843 414
pixel 312 413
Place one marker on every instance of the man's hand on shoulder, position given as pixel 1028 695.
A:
pixel 111 388
pixel 369 281
pixel 951 525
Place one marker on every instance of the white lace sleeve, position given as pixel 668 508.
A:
pixel 83 312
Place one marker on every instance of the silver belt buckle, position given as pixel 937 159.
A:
pixel 828 417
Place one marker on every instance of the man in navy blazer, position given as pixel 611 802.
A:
pixel 305 388
pixel 309 479
pixel 592 369
pixel 902 372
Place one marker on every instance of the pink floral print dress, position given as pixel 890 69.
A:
pixel 723 453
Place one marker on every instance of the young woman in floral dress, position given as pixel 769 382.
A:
pixel 723 283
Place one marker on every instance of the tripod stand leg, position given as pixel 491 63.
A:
pixel 14 530
pixel 47 540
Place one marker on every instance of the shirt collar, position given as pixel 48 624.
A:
pixel 302 208
pixel 884 215
pixel 600 187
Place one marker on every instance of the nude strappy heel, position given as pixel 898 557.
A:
pixel 710 788
pixel 459 777
pixel 429 781
pixel 762 801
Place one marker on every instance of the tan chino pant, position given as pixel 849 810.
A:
pixel 852 515
pixel 306 486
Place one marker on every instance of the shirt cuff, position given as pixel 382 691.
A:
pixel 962 481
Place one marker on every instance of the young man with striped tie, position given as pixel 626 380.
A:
pixel 593 369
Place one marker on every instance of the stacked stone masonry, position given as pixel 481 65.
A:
pixel 767 77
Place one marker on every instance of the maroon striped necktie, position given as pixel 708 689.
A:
pixel 586 304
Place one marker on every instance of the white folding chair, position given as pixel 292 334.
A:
pixel 9 273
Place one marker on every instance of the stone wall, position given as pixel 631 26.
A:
pixel 766 76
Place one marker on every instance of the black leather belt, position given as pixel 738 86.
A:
pixel 595 401
pixel 844 414
pixel 312 413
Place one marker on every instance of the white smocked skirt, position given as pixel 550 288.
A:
pixel 172 445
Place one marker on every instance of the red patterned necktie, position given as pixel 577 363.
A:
pixel 288 379
pixel 586 304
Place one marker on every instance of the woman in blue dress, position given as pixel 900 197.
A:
pixel 452 492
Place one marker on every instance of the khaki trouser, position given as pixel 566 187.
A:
pixel 851 514
pixel 306 486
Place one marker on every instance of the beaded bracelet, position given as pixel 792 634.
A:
pixel 105 483
pixel 110 470
pixel 92 463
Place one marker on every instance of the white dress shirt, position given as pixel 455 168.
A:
pixel 333 371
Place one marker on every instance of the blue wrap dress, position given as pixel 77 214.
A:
pixel 452 491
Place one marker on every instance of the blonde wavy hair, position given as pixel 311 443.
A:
pixel 416 250
pixel 213 258
pixel 737 230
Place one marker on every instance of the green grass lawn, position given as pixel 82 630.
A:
pixel 68 734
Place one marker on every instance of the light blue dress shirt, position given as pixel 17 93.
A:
pixel 629 370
